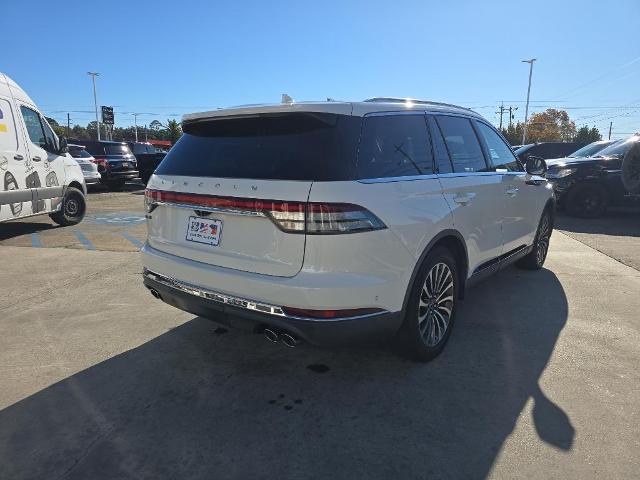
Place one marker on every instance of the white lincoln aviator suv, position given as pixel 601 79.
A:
pixel 333 222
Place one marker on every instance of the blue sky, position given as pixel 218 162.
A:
pixel 165 58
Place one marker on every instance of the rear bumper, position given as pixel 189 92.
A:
pixel 119 176
pixel 319 332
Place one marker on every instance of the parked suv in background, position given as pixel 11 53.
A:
pixel 335 222
pixel 547 150
pixel 148 158
pixel 586 186
pixel 87 163
pixel 115 161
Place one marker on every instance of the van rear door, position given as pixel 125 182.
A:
pixel 232 192
pixel 13 191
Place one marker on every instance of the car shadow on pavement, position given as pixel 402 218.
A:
pixel 197 402
pixel 15 229
pixel 614 222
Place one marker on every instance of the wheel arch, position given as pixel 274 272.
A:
pixel 79 186
pixel 454 242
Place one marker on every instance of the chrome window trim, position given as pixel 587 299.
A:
pixel 239 302
pixel 410 178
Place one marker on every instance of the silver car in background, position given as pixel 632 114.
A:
pixel 86 162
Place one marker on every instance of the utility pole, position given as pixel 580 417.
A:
pixel 146 138
pixel 610 127
pixel 68 125
pixel 526 109
pixel 95 100
pixel 511 110
pixel 135 124
pixel 501 112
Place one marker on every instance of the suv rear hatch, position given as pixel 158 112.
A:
pixel 233 191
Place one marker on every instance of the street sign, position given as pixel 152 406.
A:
pixel 107 115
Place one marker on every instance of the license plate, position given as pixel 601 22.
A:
pixel 204 230
pixel 125 164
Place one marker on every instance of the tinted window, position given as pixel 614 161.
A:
pixel 34 127
pixel 79 153
pixel 50 138
pixel 117 149
pixel 591 149
pixel 394 146
pixel 462 144
pixel 619 149
pixel 291 146
pixel 498 152
pixel 443 162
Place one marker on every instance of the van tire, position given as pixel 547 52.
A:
pixel 411 339
pixel 72 210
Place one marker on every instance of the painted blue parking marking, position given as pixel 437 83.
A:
pixel 84 240
pixel 132 239
pixel 36 241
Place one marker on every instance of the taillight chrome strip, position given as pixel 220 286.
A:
pixel 192 207
pixel 244 303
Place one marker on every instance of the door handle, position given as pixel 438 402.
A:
pixel 36 159
pixel 18 157
pixel 463 198
pixel 512 191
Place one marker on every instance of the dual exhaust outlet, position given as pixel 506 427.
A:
pixel 275 336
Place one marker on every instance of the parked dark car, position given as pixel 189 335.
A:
pixel 586 186
pixel 115 161
pixel 148 158
pixel 547 150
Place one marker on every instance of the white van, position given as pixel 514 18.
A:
pixel 37 174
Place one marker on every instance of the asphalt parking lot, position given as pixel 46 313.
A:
pixel 99 380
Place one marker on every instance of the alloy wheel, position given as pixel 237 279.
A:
pixel 436 304
pixel 544 235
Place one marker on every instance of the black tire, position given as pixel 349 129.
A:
pixel 535 259
pixel 72 210
pixel 586 201
pixel 631 170
pixel 425 316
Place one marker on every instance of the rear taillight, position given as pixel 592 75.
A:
pixel 291 217
pixel 103 163
pixel 331 218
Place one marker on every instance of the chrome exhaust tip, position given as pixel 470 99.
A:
pixel 289 340
pixel 271 335
pixel 155 293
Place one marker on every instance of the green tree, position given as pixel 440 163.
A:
pixel 513 133
pixel 174 131
pixel 587 135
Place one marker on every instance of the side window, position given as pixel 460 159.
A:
pixel 394 146
pixel 462 143
pixel 443 162
pixel 499 153
pixel 34 127
pixel 8 138
pixel 50 137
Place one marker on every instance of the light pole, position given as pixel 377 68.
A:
pixel 526 108
pixel 95 100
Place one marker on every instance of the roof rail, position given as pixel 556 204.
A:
pixel 412 100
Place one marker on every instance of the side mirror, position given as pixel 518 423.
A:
pixel 536 166
pixel 62 141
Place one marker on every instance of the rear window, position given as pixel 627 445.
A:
pixel 79 153
pixel 394 146
pixel 291 146
pixel 115 149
